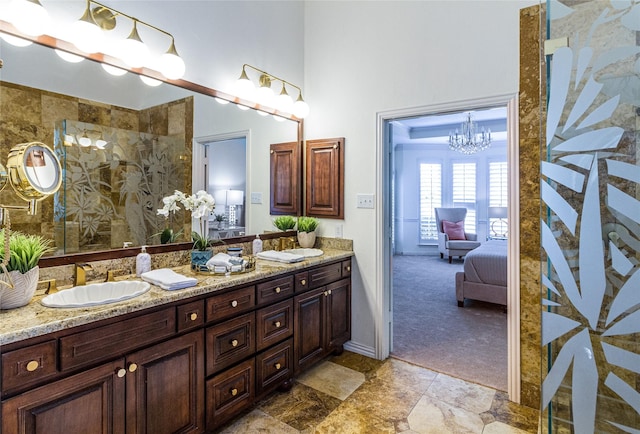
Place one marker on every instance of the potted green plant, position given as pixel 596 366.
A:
pixel 307 231
pixel 219 218
pixel 284 222
pixel 19 278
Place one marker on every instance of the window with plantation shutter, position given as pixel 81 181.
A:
pixel 464 192
pixel 430 198
pixel 498 191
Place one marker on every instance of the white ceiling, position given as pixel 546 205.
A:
pixel 435 129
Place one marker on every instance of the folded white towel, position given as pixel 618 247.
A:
pixel 168 279
pixel 219 260
pixel 272 255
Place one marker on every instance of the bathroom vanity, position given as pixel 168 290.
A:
pixel 172 361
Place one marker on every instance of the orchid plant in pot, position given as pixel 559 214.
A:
pixel 201 205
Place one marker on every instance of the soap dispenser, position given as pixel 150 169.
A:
pixel 143 262
pixel 257 245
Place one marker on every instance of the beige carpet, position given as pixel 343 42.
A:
pixel 430 330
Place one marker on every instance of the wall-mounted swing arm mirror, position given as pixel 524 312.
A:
pixel 34 172
pixel 123 146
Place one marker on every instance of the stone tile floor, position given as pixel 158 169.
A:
pixel 354 394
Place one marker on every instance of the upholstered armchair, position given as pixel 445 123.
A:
pixel 453 240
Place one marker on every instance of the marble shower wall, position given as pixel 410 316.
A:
pixel 28 114
pixel 530 119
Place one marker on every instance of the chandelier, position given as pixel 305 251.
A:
pixel 469 141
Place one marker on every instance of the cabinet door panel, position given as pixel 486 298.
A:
pixel 339 313
pixel 285 178
pixel 91 402
pixel 324 180
pixel 310 328
pixel 165 391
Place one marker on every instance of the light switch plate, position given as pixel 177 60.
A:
pixel 256 197
pixel 365 200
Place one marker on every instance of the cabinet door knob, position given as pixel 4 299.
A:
pixel 132 367
pixel 32 365
pixel 329 292
pixel 277 366
pixel 193 316
pixel 348 267
pixel 234 391
pixel 121 372
pixel 277 324
pixel 234 303
pixel 234 343
pixel 326 293
pixel 303 282
pixel 278 290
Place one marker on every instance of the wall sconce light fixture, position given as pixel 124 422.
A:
pixel 264 94
pixel 89 35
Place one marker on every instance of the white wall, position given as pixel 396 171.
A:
pixel 364 57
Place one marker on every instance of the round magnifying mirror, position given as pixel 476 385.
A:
pixel 34 170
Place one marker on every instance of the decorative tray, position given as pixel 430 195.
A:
pixel 248 266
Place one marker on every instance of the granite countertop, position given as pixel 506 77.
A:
pixel 35 319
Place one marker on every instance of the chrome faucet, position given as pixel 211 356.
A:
pixel 81 274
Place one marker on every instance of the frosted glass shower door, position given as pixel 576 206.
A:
pixel 590 188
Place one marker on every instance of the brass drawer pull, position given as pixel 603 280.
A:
pixel 234 303
pixel 33 365
pixel 234 391
pixel 277 366
pixel 121 372
pixel 278 290
pixel 277 324
pixel 234 343
pixel 303 282
pixel 132 367
pixel 193 316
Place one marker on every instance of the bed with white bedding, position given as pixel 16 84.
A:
pixel 485 274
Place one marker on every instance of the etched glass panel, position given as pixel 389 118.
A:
pixel 590 187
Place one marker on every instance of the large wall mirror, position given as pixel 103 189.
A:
pixel 125 144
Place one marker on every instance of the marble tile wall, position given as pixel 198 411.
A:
pixel 531 118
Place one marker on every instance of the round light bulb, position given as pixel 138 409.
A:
pixel 284 103
pixel 245 89
pixel 71 58
pixel 300 109
pixel 101 143
pixel 114 70
pixel 278 118
pixel 261 113
pixel 265 96
pixel 84 141
pixel 242 107
pixel 134 53
pixel 172 66
pixel 150 81
pixel 30 18
pixel 14 40
pixel 221 101
pixel 86 36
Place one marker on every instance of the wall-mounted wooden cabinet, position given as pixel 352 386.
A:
pixel 324 178
pixel 286 177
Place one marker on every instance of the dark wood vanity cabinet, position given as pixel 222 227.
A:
pixel 189 367
pixel 324 178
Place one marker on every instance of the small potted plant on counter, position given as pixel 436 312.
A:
pixel 307 231
pixel 285 223
pixel 19 273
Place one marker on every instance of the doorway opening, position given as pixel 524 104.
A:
pixel 385 248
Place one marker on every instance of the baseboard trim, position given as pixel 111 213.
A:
pixel 364 350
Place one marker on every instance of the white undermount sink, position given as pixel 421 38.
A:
pixel 307 253
pixel 96 294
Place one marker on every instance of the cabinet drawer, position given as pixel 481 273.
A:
pixel 346 268
pixel 273 324
pixel 301 281
pixel 274 290
pixel 229 342
pixel 229 393
pixel 323 275
pixel 190 315
pixel 273 367
pixel 28 366
pixel 115 339
pixel 232 303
